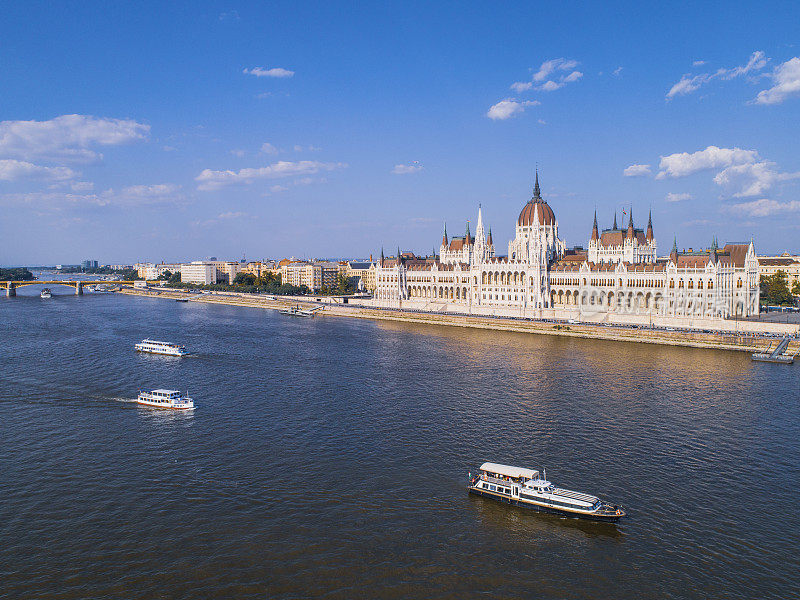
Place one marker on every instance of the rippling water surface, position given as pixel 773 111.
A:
pixel 328 457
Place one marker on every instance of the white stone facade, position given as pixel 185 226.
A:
pixel 619 273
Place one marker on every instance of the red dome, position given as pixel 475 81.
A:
pixel 543 211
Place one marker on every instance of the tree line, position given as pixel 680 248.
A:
pixel 16 274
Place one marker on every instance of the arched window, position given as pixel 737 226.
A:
pixel 700 284
pixel 739 283
pixel 680 283
pixel 711 284
pixel 691 284
pixel 671 284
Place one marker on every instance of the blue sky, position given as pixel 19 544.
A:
pixel 154 131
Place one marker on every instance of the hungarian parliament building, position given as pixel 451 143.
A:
pixel 619 273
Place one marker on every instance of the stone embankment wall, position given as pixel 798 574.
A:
pixel 742 341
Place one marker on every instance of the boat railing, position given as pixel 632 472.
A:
pixel 491 479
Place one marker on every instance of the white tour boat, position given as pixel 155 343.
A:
pixel 46 293
pixel 171 399
pixel 524 487
pixel 155 347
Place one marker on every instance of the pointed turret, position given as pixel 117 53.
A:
pixel 595 232
pixel 650 226
pixel 537 194
pixel 444 236
pixel 382 257
pixel 399 257
pixel 467 239
pixel 489 238
pixel 615 221
pixel 479 233
pixel 630 225
pixel 674 254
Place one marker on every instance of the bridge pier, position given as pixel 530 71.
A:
pixel 79 289
pixel 10 290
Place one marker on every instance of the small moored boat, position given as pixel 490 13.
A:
pixel 46 293
pixel 154 347
pixel 524 487
pixel 296 311
pixel 170 399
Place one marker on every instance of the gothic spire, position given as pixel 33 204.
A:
pixel 537 194
pixel 650 226
pixel 595 232
pixel 615 221
pixel 630 225
pixel 444 236
pixel 489 239
pixel 675 244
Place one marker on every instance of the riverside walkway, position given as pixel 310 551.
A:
pixel 692 339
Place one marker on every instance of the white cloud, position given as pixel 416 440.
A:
pixel 226 216
pixel 688 83
pixel 766 207
pixel 505 109
pixel 169 148
pixel 672 197
pixel 237 152
pixel 540 79
pixel 136 195
pixel 698 63
pixel 542 122
pixel 551 66
pixel 268 148
pixel 82 186
pixel 265 72
pixel 682 164
pixel 66 137
pixel 786 77
pixel 13 170
pixel 617 72
pixel 278 188
pixel 231 215
pixel 414 167
pixel 758 60
pixel 753 179
pixel 636 171
pixel 212 180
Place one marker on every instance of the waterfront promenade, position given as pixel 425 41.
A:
pixel 742 342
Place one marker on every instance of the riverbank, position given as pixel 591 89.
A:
pixel 714 341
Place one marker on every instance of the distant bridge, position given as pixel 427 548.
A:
pixel 11 286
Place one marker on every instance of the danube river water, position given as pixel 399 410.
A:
pixel 328 457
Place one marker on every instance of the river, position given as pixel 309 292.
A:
pixel 328 457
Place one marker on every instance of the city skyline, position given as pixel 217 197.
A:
pixel 182 132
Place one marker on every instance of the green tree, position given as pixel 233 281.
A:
pixel 775 289
pixel 174 279
pixel 244 279
pixel 130 275
pixel 344 285
pixel 165 276
pixel 16 274
pixel 796 288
